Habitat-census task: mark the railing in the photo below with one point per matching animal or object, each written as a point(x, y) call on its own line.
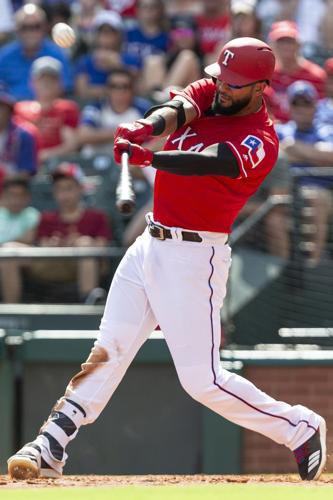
point(253, 219)
point(60, 252)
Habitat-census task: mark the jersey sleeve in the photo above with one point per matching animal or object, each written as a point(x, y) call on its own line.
point(256, 153)
point(199, 93)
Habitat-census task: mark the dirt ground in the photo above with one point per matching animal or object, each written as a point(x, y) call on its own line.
point(158, 480)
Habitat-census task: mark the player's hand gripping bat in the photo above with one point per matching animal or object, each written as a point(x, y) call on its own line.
point(125, 196)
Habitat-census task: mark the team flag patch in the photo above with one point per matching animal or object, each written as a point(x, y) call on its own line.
point(255, 148)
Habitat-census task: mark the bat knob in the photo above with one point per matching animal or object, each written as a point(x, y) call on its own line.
point(125, 207)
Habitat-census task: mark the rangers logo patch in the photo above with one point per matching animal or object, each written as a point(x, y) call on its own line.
point(255, 148)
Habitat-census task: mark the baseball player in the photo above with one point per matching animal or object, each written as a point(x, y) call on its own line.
point(221, 144)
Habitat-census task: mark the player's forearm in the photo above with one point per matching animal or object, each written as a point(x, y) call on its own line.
point(215, 160)
point(309, 153)
point(62, 149)
point(169, 119)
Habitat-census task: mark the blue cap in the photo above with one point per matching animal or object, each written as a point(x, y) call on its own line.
point(5, 96)
point(302, 89)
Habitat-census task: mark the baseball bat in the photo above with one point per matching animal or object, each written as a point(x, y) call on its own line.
point(125, 196)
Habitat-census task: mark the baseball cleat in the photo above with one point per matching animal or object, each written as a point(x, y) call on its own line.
point(28, 463)
point(311, 455)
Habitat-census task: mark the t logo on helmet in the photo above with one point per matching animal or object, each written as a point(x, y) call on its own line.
point(227, 55)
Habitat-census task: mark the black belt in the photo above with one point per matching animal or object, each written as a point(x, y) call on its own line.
point(160, 232)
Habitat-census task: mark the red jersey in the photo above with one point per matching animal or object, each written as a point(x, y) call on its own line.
point(126, 8)
point(92, 223)
point(48, 122)
point(276, 94)
point(211, 203)
point(212, 32)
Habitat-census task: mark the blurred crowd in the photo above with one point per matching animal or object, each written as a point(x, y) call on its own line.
point(59, 109)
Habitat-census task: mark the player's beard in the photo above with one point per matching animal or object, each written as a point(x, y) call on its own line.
point(232, 109)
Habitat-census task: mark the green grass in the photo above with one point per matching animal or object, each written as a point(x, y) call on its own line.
point(207, 492)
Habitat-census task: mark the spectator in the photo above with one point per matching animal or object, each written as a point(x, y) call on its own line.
point(149, 36)
point(324, 114)
point(182, 63)
point(55, 119)
point(107, 55)
point(18, 220)
point(214, 28)
point(17, 57)
point(291, 66)
point(18, 149)
point(100, 120)
point(243, 20)
point(306, 145)
point(70, 225)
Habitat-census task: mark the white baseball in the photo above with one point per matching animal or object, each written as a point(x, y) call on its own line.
point(63, 35)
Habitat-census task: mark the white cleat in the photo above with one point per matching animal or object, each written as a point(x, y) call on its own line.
point(28, 463)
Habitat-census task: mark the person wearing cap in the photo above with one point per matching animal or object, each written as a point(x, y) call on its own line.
point(305, 145)
point(324, 112)
point(244, 20)
point(71, 224)
point(18, 224)
point(55, 119)
point(18, 146)
point(220, 146)
point(100, 119)
point(291, 66)
point(107, 54)
point(16, 57)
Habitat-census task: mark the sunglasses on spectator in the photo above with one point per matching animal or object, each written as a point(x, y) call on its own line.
point(30, 27)
point(302, 102)
point(119, 86)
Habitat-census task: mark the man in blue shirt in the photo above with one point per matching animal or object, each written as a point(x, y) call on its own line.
point(324, 113)
point(307, 144)
point(101, 119)
point(107, 55)
point(17, 57)
point(149, 36)
point(18, 151)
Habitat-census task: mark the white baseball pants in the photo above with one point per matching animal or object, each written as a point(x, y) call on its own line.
point(179, 285)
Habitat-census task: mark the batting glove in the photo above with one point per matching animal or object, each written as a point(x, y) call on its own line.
point(136, 132)
point(137, 154)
